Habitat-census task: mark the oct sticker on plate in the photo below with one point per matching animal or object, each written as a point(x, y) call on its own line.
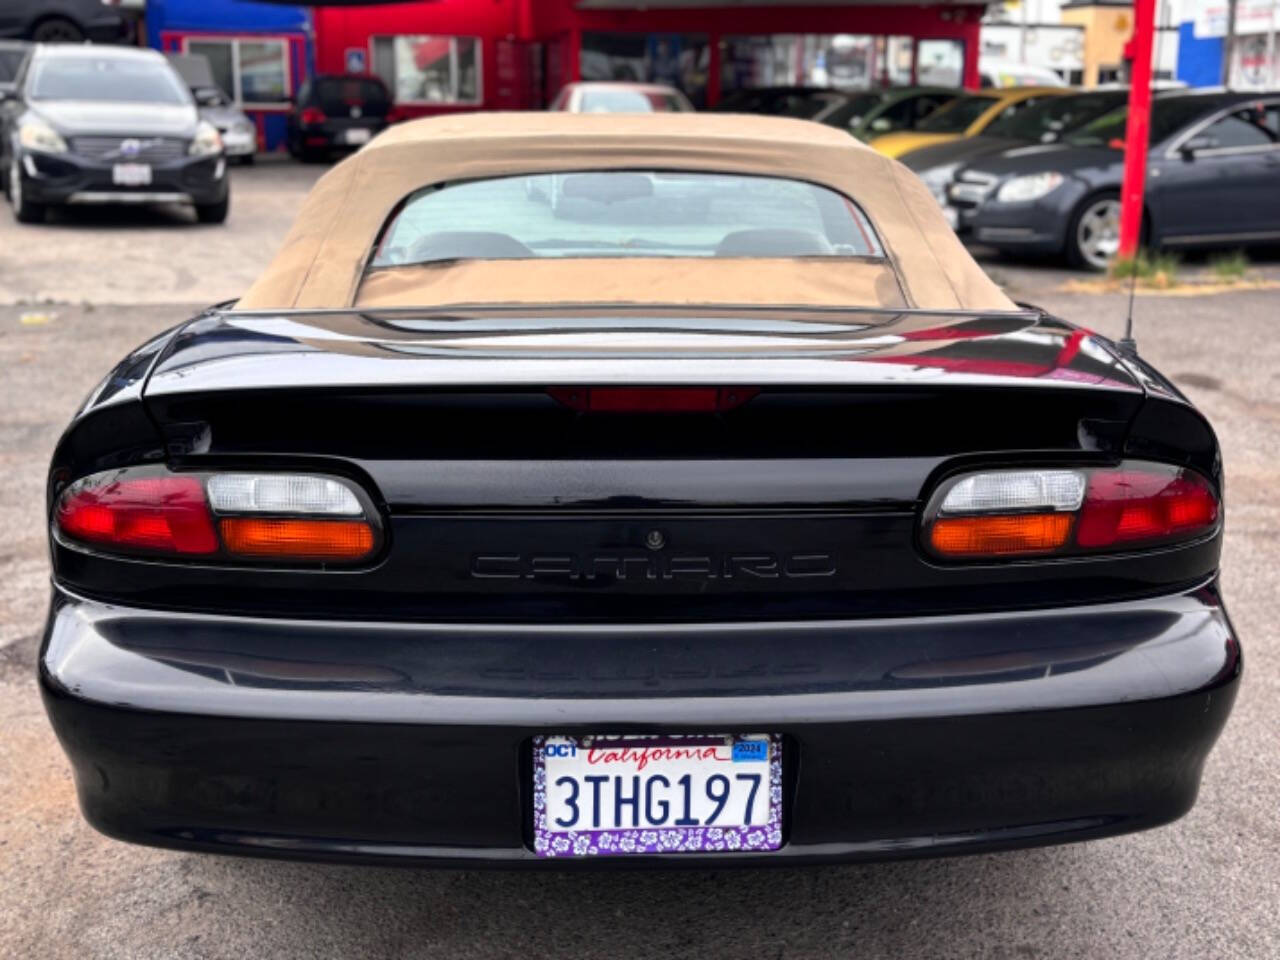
point(633, 795)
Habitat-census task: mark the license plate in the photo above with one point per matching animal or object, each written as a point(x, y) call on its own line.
point(131, 175)
point(634, 795)
point(359, 135)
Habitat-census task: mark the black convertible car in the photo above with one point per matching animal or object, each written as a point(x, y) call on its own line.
point(761, 529)
point(1213, 179)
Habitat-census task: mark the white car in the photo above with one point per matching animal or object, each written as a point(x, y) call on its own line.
point(1006, 73)
point(593, 97)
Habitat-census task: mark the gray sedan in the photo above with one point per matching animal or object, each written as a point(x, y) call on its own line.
point(1211, 181)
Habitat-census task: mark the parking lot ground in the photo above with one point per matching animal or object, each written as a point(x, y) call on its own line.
point(1207, 886)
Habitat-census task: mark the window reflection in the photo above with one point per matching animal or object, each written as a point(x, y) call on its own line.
point(678, 60)
point(842, 61)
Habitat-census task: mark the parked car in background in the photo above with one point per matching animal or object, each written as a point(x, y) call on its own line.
point(1008, 73)
point(67, 21)
point(966, 116)
point(337, 113)
point(876, 113)
point(803, 103)
point(239, 133)
point(104, 125)
point(1045, 121)
point(1212, 174)
point(603, 97)
point(863, 113)
point(12, 53)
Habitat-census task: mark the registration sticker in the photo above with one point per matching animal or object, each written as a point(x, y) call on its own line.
point(634, 794)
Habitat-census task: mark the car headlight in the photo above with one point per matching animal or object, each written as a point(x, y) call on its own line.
point(207, 140)
point(244, 126)
point(1031, 187)
point(39, 136)
point(937, 179)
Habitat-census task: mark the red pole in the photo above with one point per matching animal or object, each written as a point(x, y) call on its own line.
point(1138, 127)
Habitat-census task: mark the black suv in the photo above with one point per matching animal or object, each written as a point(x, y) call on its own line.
point(102, 125)
point(337, 113)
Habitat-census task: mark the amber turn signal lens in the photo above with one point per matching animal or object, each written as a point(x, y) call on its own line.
point(1000, 535)
point(297, 539)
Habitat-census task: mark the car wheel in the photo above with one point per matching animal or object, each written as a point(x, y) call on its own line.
point(57, 30)
point(1093, 236)
point(213, 212)
point(247, 160)
point(23, 209)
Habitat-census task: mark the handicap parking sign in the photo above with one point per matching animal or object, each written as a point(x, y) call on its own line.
point(355, 60)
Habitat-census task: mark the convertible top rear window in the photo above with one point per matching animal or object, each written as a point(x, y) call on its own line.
point(631, 213)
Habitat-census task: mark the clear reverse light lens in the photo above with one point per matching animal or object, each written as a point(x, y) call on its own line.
point(1026, 189)
point(281, 493)
point(1012, 491)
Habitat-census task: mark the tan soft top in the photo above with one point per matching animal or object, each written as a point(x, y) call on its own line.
point(322, 262)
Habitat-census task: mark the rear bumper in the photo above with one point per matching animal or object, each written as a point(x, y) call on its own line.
point(989, 732)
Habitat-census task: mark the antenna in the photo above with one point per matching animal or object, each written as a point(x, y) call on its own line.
point(1127, 345)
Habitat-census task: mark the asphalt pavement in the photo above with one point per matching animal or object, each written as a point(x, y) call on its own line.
point(77, 293)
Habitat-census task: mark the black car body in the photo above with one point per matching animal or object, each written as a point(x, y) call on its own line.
point(337, 114)
point(1213, 166)
point(1044, 122)
point(864, 113)
point(107, 125)
point(677, 522)
point(65, 21)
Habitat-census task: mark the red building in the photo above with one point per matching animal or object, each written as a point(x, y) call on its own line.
point(446, 55)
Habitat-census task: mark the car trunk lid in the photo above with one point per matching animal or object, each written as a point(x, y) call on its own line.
point(788, 486)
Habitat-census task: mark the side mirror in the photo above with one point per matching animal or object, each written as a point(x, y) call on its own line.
point(1196, 145)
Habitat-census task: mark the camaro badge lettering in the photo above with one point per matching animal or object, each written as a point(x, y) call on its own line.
point(652, 567)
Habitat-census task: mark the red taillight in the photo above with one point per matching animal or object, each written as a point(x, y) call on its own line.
point(151, 514)
point(1143, 505)
point(312, 117)
point(1064, 511)
point(653, 399)
point(280, 516)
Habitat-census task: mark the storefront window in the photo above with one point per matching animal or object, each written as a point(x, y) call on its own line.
point(429, 69)
point(678, 60)
point(842, 61)
point(249, 71)
point(940, 63)
point(893, 66)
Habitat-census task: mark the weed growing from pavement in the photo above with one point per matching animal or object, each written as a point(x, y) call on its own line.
point(1229, 266)
point(1152, 269)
